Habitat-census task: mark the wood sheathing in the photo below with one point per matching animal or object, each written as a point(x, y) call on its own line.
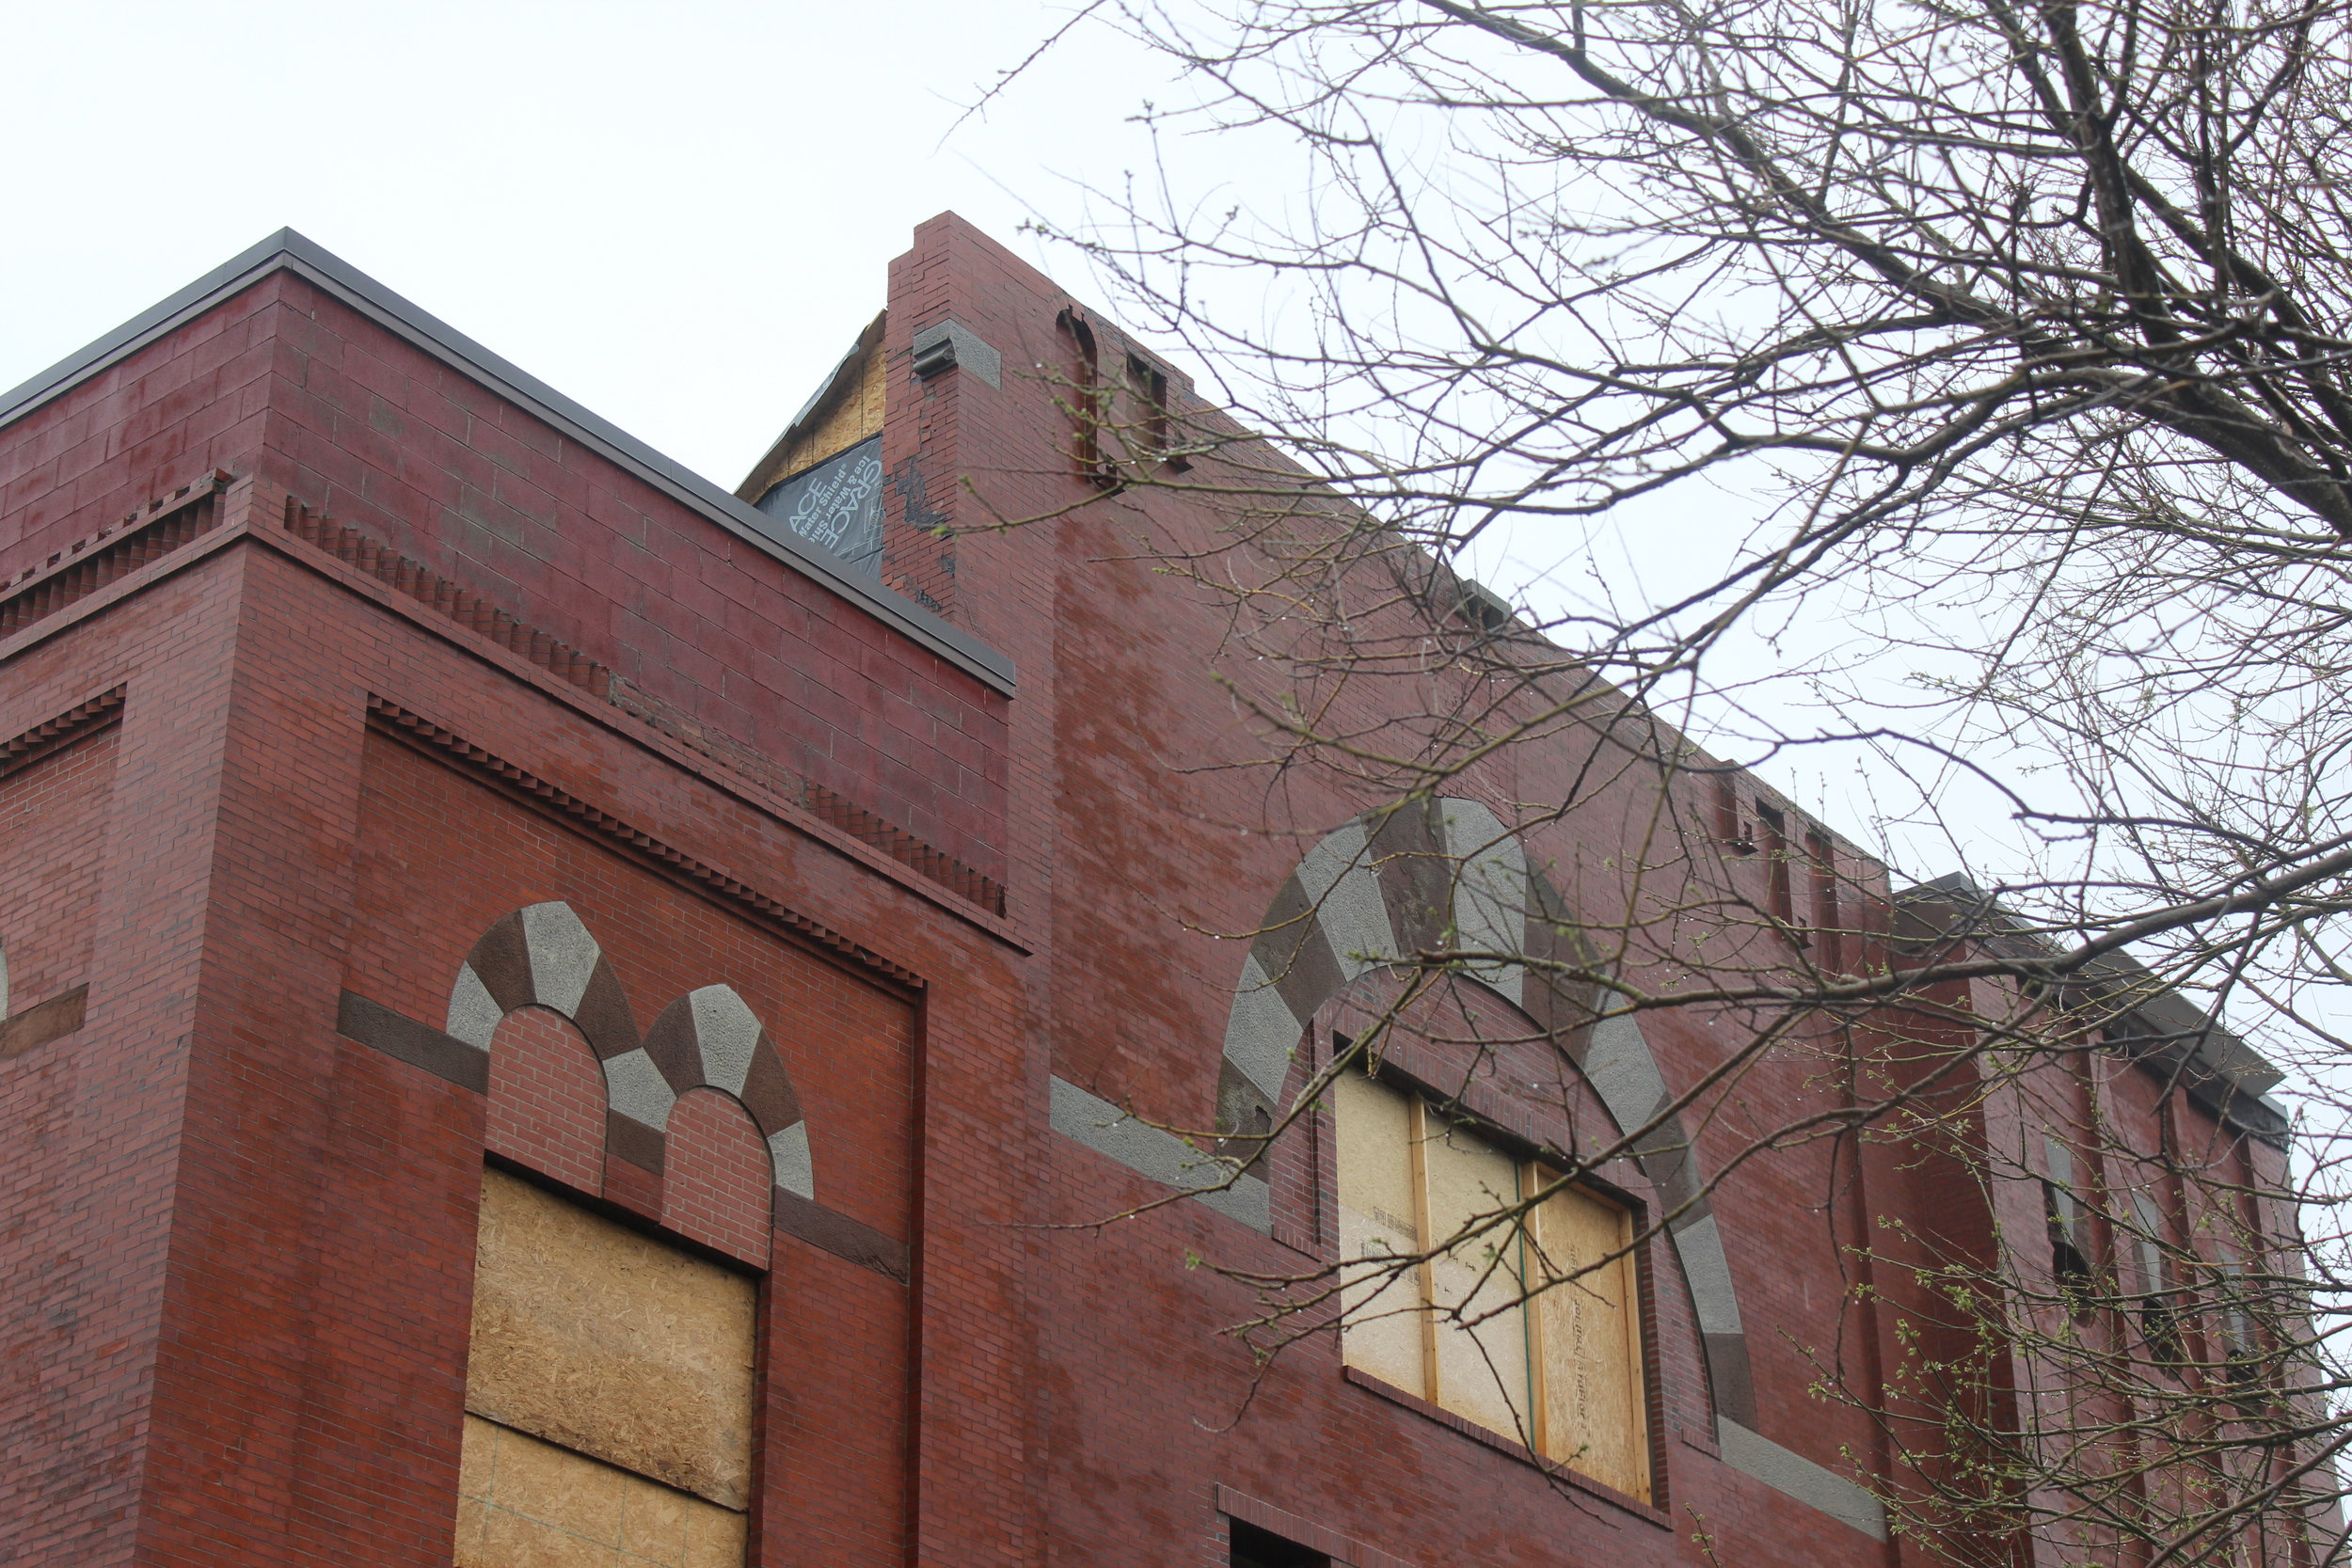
point(847, 411)
point(608, 1394)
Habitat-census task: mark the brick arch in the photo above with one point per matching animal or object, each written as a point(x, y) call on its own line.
point(717, 1183)
point(547, 1100)
point(1395, 881)
point(544, 956)
point(710, 1038)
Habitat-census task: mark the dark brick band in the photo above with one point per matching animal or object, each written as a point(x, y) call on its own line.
point(372, 1024)
point(842, 1236)
point(626, 1138)
point(43, 1022)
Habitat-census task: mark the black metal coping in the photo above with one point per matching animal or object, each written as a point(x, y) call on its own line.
point(289, 251)
point(2161, 1030)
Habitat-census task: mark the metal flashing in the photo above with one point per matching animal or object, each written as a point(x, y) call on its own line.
point(836, 381)
point(840, 383)
point(289, 251)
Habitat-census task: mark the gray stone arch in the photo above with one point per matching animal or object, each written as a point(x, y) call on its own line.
point(544, 956)
point(1448, 872)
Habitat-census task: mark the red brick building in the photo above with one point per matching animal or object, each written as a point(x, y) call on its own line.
point(557, 1014)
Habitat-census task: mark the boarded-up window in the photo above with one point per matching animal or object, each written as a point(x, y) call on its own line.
point(609, 1395)
point(1586, 1328)
point(1531, 1331)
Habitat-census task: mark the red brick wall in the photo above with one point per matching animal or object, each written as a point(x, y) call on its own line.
point(93, 1215)
point(440, 858)
point(53, 818)
point(287, 382)
point(239, 1251)
point(715, 1177)
point(376, 433)
point(1135, 848)
point(193, 401)
point(237, 1260)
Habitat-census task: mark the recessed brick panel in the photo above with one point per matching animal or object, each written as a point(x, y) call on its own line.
point(847, 1044)
point(716, 1176)
point(53, 824)
point(547, 1098)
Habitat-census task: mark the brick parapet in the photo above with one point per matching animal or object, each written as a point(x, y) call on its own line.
point(338, 411)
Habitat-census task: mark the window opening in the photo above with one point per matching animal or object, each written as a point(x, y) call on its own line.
point(2241, 1346)
point(1089, 400)
point(1146, 384)
point(2159, 1308)
point(1779, 898)
point(1249, 1546)
point(1728, 828)
point(1827, 920)
point(2070, 1261)
point(608, 1390)
point(1531, 1329)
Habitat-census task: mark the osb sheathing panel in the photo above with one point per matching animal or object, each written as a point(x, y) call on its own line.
point(527, 1504)
point(1589, 1340)
point(604, 1341)
point(1482, 1355)
point(855, 415)
point(1383, 1329)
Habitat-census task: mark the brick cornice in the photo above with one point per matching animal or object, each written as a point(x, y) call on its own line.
point(575, 689)
point(87, 566)
point(563, 674)
point(289, 252)
point(511, 779)
point(53, 734)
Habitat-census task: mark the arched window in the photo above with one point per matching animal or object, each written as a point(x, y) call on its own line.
point(1531, 1329)
point(610, 1380)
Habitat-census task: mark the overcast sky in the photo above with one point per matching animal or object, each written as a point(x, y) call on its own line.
point(680, 214)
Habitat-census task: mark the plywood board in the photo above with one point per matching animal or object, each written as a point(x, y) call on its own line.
point(523, 1503)
point(1381, 1331)
point(1589, 1337)
point(606, 1341)
point(1481, 1366)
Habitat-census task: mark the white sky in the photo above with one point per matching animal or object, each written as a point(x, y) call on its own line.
point(678, 215)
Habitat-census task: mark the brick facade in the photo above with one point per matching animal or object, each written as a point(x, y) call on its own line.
point(331, 646)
